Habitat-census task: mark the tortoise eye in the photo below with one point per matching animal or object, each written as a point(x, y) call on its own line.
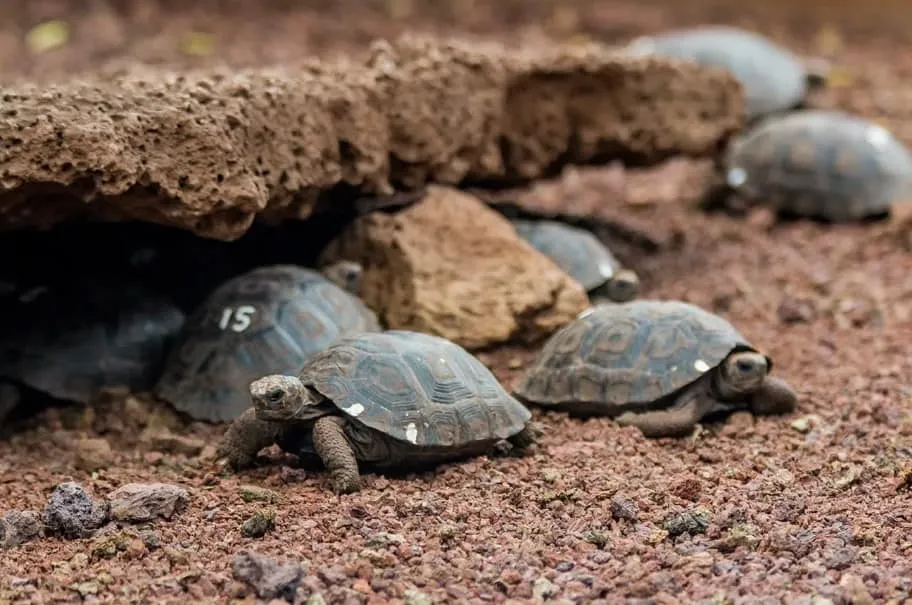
point(275, 396)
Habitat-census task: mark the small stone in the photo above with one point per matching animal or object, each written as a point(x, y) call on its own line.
point(71, 512)
point(93, 454)
point(136, 549)
point(624, 509)
point(175, 556)
point(150, 539)
point(854, 590)
point(165, 441)
point(738, 535)
point(269, 578)
point(361, 585)
point(795, 310)
point(688, 489)
point(543, 588)
point(19, 526)
point(316, 599)
point(153, 458)
point(688, 522)
point(258, 525)
point(806, 423)
point(253, 493)
point(87, 589)
point(108, 545)
point(413, 596)
point(141, 502)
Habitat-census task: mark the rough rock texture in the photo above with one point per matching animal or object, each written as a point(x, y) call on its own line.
point(451, 266)
point(141, 502)
point(18, 526)
point(71, 513)
point(269, 578)
point(209, 150)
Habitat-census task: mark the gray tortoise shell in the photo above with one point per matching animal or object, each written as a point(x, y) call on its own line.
point(773, 78)
point(70, 343)
point(269, 320)
point(821, 163)
point(576, 251)
point(416, 388)
point(631, 354)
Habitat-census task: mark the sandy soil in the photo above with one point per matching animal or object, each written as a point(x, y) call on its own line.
point(810, 508)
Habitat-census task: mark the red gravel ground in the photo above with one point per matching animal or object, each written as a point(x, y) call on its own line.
point(813, 508)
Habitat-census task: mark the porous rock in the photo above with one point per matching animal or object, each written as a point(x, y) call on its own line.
point(208, 151)
point(71, 512)
point(269, 578)
point(141, 502)
point(449, 265)
point(18, 526)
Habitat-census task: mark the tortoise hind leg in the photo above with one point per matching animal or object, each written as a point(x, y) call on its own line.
point(526, 438)
point(337, 455)
point(678, 420)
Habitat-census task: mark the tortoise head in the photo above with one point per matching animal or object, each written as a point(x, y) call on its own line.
point(623, 286)
point(284, 399)
point(742, 373)
point(345, 274)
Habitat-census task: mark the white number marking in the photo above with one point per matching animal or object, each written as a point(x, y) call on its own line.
point(237, 320)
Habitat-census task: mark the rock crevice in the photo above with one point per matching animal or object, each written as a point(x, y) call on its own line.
point(210, 151)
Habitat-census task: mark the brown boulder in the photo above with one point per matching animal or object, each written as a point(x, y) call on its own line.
point(210, 151)
point(451, 266)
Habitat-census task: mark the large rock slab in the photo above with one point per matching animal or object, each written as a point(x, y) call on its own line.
point(209, 151)
point(451, 266)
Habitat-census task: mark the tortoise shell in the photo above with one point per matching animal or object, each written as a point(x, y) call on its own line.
point(576, 251)
point(416, 388)
point(265, 321)
point(773, 78)
point(70, 342)
point(821, 163)
point(629, 355)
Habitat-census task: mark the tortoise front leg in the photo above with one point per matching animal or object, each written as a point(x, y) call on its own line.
point(678, 420)
point(337, 455)
point(246, 436)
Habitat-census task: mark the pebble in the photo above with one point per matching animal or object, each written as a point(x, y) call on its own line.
point(142, 502)
point(258, 525)
point(18, 527)
point(70, 512)
point(270, 579)
point(93, 454)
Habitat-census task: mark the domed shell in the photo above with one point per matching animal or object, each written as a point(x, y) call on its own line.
point(269, 320)
point(772, 77)
point(576, 251)
point(821, 163)
point(629, 354)
point(70, 342)
point(417, 388)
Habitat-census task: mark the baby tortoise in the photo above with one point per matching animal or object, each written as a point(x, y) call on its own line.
point(392, 399)
point(270, 319)
point(773, 78)
point(658, 365)
point(581, 256)
point(820, 164)
point(69, 342)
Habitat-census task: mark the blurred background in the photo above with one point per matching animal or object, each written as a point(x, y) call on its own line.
point(54, 37)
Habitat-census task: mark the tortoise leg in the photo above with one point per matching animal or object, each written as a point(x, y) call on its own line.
point(678, 420)
point(526, 438)
point(246, 436)
point(775, 396)
point(336, 453)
